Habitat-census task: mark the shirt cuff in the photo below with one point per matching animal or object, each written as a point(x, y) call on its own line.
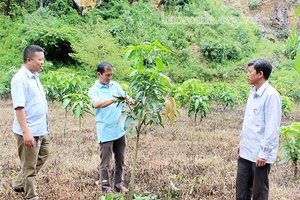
point(263, 155)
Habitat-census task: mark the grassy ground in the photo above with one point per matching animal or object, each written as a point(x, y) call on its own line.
point(200, 161)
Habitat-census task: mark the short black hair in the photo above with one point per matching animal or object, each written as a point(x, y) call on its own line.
point(29, 51)
point(261, 64)
point(101, 67)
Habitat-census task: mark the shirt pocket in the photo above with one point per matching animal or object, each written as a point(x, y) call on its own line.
point(33, 89)
point(258, 120)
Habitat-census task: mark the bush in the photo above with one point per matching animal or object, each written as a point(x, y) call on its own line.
point(16, 9)
point(225, 95)
point(290, 145)
point(286, 65)
point(253, 4)
point(53, 35)
point(112, 9)
point(11, 43)
point(60, 7)
point(5, 78)
point(139, 23)
point(98, 45)
point(287, 83)
point(217, 51)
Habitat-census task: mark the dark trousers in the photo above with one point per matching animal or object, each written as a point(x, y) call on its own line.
point(106, 149)
point(252, 181)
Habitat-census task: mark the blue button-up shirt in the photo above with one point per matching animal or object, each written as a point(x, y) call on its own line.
point(27, 92)
point(260, 133)
point(109, 127)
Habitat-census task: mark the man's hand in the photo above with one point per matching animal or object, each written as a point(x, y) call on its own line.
point(27, 136)
point(28, 139)
point(260, 162)
point(238, 150)
point(130, 100)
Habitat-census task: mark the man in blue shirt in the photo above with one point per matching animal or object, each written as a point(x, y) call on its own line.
point(30, 124)
point(260, 134)
point(110, 131)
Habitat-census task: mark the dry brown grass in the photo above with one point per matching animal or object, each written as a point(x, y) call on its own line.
point(200, 161)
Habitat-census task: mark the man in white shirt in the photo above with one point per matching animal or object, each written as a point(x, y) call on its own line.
point(30, 125)
point(260, 134)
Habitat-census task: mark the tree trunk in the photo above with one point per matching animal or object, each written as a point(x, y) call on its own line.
point(131, 184)
point(65, 124)
point(160, 2)
point(295, 162)
point(7, 8)
point(80, 127)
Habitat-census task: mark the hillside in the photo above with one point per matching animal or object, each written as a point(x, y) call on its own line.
point(275, 17)
point(212, 50)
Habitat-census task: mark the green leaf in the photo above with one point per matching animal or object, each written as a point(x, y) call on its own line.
point(298, 60)
point(78, 111)
point(159, 64)
point(128, 54)
point(66, 103)
point(298, 12)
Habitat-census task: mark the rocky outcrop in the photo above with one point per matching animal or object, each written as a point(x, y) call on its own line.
point(274, 17)
point(84, 6)
point(282, 19)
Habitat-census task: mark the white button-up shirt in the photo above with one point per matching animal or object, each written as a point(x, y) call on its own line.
point(27, 92)
point(260, 133)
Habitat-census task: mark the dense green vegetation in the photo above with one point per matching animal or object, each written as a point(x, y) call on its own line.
point(211, 41)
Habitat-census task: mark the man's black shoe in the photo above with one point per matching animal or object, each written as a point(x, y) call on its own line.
point(18, 189)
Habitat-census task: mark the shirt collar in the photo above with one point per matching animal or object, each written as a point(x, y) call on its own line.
point(262, 88)
point(29, 73)
point(101, 85)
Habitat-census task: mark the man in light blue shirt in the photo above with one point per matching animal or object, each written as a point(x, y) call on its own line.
point(260, 134)
point(110, 131)
point(30, 124)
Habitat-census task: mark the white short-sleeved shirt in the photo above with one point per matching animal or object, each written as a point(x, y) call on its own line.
point(27, 92)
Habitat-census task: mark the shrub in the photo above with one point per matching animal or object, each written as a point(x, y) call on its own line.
point(138, 23)
point(293, 42)
point(11, 43)
point(286, 65)
point(287, 104)
point(217, 51)
point(253, 4)
point(52, 34)
point(225, 95)
point(287, 83)
point(290, 144)
point(16, 9)
point(4, 90)
point(60, 7)
point(97, 45)
point(112, 9)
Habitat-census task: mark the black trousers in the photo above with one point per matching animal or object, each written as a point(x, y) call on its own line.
point(252, 181)
point(106, 150)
